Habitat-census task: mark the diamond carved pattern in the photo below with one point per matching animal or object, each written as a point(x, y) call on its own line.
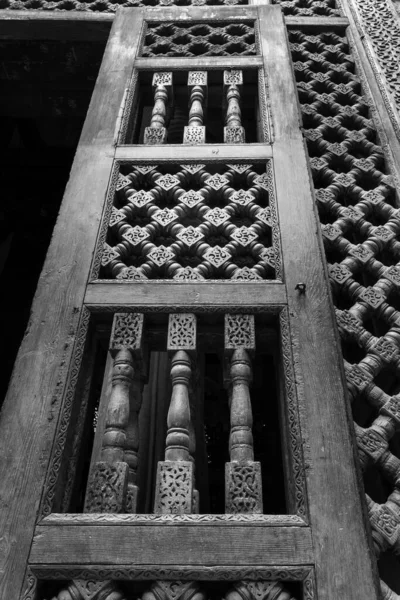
point(205, 39)
point(193, 222)
point(356, 200)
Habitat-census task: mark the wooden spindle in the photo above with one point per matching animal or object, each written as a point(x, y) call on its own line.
point(233, 131)
point(243, 490)
point(178, 421)
point(156, 133)
point(132, 440)
point(241, 436)
point(112, 483)
point(195, 132)
point(175, 475)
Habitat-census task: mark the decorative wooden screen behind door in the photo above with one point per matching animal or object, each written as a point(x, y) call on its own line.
point(192, 230)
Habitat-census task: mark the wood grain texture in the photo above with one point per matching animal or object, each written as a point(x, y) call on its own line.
point(34, 399)
point(207, 152)
point(199, 62)
point(170, 295)
point(171, 545)
point(343, 563)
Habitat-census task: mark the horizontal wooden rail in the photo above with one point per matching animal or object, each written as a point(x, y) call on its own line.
point(200, 154)
point(144, 296)
point(198, 63)
point(328, 22)
point(173, 545)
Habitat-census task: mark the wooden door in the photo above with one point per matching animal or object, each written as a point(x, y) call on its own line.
point(210, 241)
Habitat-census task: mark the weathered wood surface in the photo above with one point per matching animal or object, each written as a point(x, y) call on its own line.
point(171, 295)
point(198, 62)
point(200, 13)
point(183, 153)
point(31, 409)
point(168, 545)
point(317, 22)
point(343, 563)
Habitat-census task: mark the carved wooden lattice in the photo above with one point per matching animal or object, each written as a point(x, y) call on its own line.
point(192, 222)
point(361, 231)
point(309, 8)
point(200, 39)
point(106, 6)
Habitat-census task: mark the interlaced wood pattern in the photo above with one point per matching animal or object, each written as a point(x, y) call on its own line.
point(361, 231)
point(300, 8)
point(109, 6)
point(192, 222)
point(309, 8)
point(200, 39)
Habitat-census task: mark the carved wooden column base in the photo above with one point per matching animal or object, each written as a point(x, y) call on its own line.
point(234, 135)
point(155, 135)
point(107, 488)
point(174, 487)
point(194, 135)
point(243, 488)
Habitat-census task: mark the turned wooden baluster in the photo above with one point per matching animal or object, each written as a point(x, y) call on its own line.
point(243, 491)
point(241, 436)
point(175, 475)
point(178, 420)
point(195, 132)
point(111, 486)
point(156, 133)
point(132, 436)
point(233, 130)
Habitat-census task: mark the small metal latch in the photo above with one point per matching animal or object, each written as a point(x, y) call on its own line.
point(301, 287)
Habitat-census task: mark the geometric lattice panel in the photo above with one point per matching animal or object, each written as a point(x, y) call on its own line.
point(106, 5)
point(192, 222)
point(309, 8)
point(201, 39)
point(360, 225)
